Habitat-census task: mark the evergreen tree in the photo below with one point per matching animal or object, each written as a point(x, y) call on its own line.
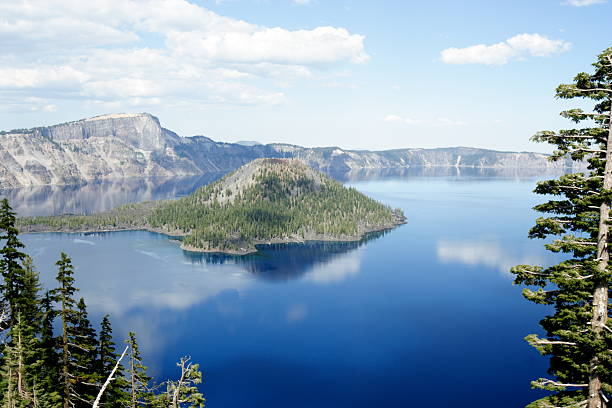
point(11, 261)
point(579, 337)
point(184, 392)
point(20, 290)
point(140, 392)
point(115, 394)
point(84, 353)
point(64, 295)
point(50, 367)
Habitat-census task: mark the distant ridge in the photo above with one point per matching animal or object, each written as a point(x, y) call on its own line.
point(120, 145)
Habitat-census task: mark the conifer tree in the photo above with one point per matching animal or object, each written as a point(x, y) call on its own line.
point(184, 391)
point(84, 353)
point(11, 261)
point(64, 295)
point(579, 336)
point(20, 290)
point(140, 393)
point(50, 367)
point(115, 394)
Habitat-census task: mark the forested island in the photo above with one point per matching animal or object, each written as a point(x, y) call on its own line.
point(265, 201)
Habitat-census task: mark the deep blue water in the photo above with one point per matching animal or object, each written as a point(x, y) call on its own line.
point(425, 315)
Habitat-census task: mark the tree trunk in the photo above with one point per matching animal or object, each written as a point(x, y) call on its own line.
point(65, 360)
point(600, 292)
point(133, 379)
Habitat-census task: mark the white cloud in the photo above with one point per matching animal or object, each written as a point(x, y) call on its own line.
point(449, 122)
point(116, 52)
point(441, 121)
point(400, 119)
point(44, 77)
point(582, 3)
point(323, 45)
point(514, 48)
point(302, 2)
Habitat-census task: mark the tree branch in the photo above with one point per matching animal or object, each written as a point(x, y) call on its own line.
point(109, 379)
point(592, 89)
point(545, 342)
point(544, 382)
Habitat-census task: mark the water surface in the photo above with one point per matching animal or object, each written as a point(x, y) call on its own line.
point(423, 315)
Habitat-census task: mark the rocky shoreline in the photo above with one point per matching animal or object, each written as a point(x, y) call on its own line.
point(249, 248)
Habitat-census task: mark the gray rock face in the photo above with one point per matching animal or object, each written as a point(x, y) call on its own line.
point(135, 145)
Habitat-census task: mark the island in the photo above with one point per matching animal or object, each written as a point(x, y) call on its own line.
point(266, 201)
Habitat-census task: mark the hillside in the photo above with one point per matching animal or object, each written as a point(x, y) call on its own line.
point(265, 201)
point(136, 145)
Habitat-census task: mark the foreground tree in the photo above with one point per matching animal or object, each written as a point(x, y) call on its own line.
point(107, 363)
point(68, 339)
point(579, 337)
point(140, 392)
point(184, 391)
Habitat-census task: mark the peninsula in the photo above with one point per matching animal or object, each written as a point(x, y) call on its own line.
point(265, 201)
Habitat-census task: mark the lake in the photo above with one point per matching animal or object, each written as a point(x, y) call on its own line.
point(424, 315)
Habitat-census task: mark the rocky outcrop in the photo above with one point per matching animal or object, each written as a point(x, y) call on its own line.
point(136, 145)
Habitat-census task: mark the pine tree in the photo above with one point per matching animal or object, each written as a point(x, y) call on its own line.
point(11, 261)
point(64, 295)
point(579, 337)
point(84, 353)
point(50, 367)
point(20, 290)
point(115, 394)
point(184, 391)
point(140, 393)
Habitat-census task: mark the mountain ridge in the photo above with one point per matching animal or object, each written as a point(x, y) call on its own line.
point(121, 145)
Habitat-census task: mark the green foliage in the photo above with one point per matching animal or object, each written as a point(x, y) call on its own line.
point(140, 390)
point(577, 344)
point(116, 393)
point(125, 217)
point(183, 392)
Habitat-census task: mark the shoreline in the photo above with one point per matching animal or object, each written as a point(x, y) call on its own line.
point(251, 249)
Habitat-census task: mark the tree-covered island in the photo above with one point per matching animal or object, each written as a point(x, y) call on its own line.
point(265, 201)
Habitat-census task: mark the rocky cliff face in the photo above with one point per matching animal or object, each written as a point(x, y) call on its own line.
point(135, 145)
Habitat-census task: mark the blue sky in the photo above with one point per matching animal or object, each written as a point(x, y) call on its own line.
point(356, 74)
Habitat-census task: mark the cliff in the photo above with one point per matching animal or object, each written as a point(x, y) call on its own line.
point(136, 145)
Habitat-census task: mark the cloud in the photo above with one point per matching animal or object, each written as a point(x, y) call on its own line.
point(515, 48)
point(449, 122)
point(131, 52)
point(583, 3)
point(441, 121)
point(302, 2)
point(399, 119)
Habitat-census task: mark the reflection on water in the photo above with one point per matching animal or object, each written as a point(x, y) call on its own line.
point(100, 196)
point(104, 195)
point(282, 262)
point(486, 252)
point(456, 173)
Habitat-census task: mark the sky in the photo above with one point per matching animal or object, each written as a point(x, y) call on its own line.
point(359, 74)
